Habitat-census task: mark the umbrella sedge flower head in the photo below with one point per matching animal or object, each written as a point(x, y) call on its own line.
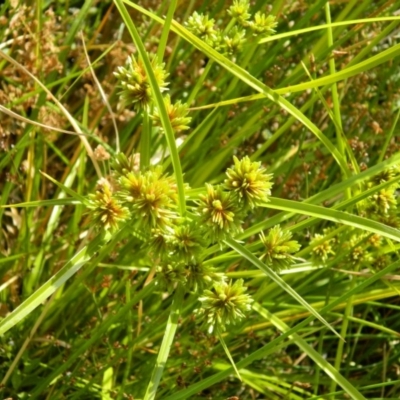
point(226, 304)
point(177, 114)
point(322, 248)
point(219, 212)
point(263, 24)
point(122, 164)
point(187, 241)
point(233, 41)
point(159, 243)
point(278, 248)
point(383, 201)
point(135, 83)
point(106, 211)
point(169, 274)
point(239, 10)
point(203, 27)
point(200, 276)
point(151, 197)
point(249, 181)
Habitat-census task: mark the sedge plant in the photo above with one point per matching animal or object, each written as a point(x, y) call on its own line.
point(199, 201)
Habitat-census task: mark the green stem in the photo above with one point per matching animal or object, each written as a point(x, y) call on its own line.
point(335, 95)
point(200, 82)
point(169, 334)
point(164, 36)
point(388, 137)
point(145, 142)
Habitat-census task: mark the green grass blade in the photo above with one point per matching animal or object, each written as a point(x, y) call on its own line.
point(169, 334)
point(339, 217)
point(44, 203)
point(166, 123)
point(167, 25)
point(326, 26)
point(40, 295)
point(332, 372)
point(276, 278)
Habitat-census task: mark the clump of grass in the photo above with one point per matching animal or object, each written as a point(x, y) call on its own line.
point(228, 229)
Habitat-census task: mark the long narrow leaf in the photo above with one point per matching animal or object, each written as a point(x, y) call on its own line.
point(339, 217)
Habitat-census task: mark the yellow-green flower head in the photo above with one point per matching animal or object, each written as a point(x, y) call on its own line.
point(384, 176)
point(177, 114)
point(219, 212)
point(135, 83)
point(200, 276)
point(187, 241)
point(249, 181)
point(233, 41)
point(106, 211)
point(159, 243)
point(239, 10)
point(263, 24)
point(226, 304)
point(169, 274)
point(203, 27)
point(122, 164)
point(278, 248)
point(323, 247)
point(384, 200)
point(151, 197)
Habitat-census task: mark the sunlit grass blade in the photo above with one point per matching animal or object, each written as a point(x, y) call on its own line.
point(245, 253)
point(168, 338)
point(40, 295)
point(335, 216)
point(326, 26)
point(66, 189)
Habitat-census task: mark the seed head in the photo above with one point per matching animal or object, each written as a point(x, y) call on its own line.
point(219, 212)
point(249, 181)
point(263, 24)
point(203, 27)
point(187, 241)
point(177, 114)
point(106, 211)
point(323, 248)
point(239, 10)
point(224, 305)
point(383, 201)
point(200, 276)
point(278, 248)
point(151, 197)
point(233, 41)
point(135, 83)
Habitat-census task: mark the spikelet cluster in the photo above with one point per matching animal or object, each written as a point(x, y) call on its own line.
point(230, 40)
point(106, 211)
point(177, 114)
point(135, 84)
point(249, 182)
point(226, 304)
point(219, 212)
point(278, 248)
